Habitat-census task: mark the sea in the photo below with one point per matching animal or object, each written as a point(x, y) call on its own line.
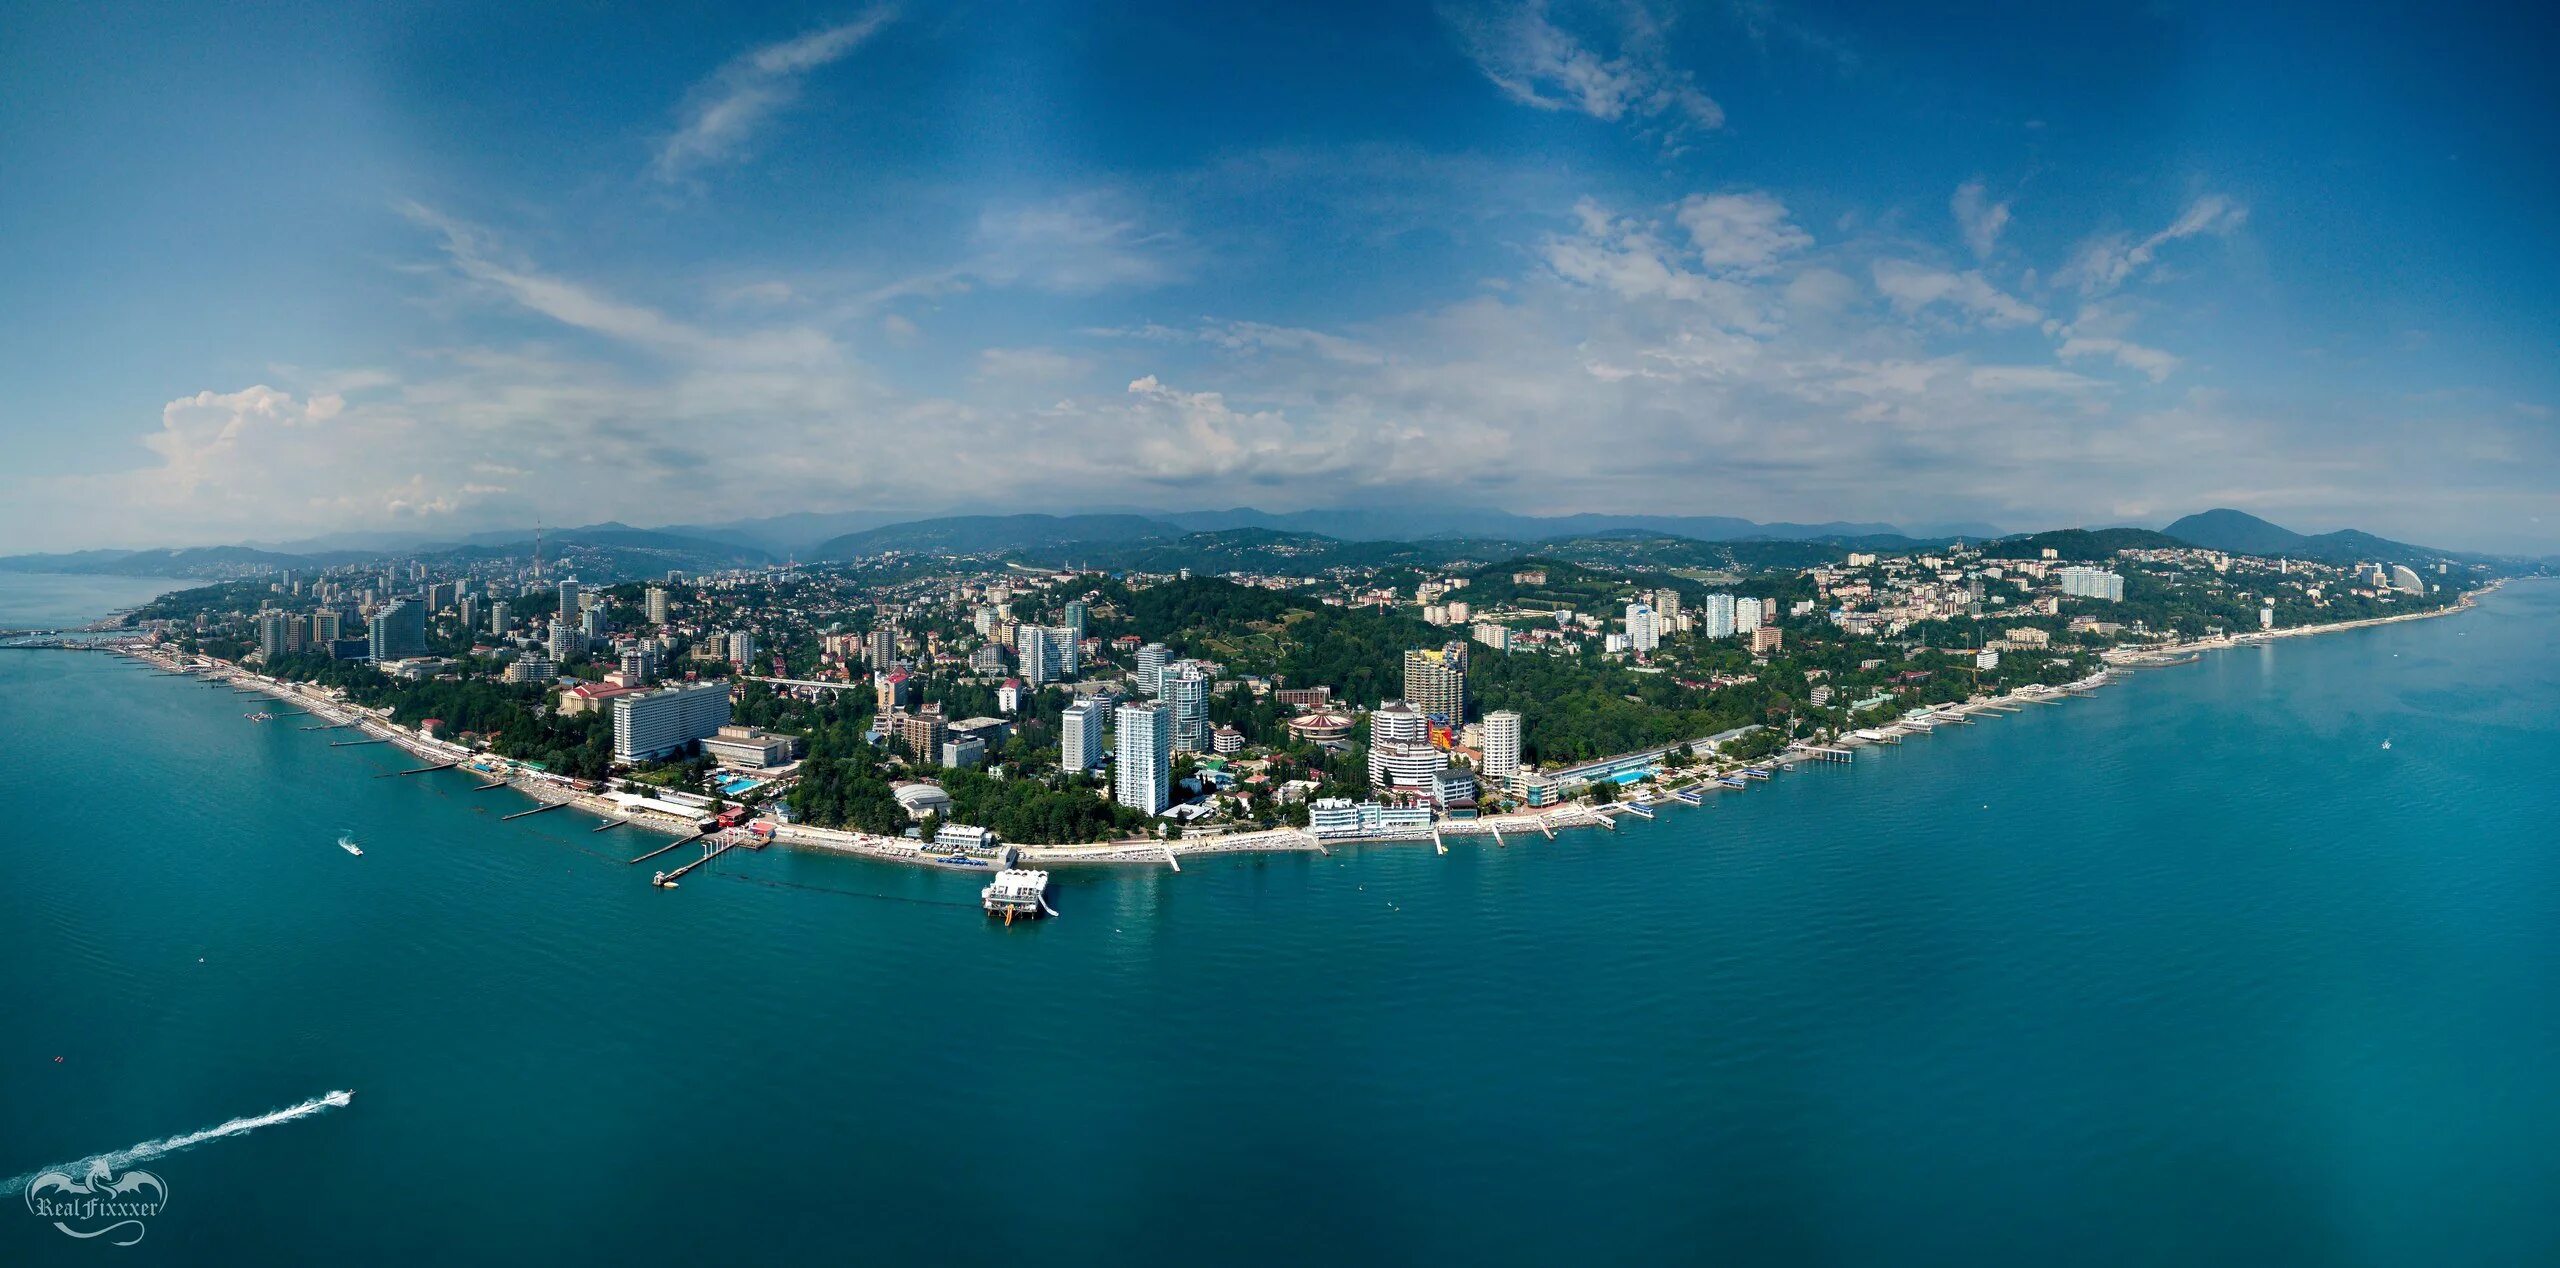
point(2254, 961)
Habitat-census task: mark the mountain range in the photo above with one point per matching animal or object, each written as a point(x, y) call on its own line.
point(624, 549)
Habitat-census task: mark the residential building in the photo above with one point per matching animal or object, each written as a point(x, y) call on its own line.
point(648, 725)
point(1035, 655)
point(1644, 630)
point(1435, 681)
point(1718, 614)
point(1151, 662)
point(1187, 692)
point(398, 631)
point(1080, 736)
point(1142, 756)
point(1501, 745)
point(742, 647)
point(656, 604)
point(2093, 583)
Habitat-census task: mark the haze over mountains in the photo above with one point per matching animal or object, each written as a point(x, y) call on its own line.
point(812, 537)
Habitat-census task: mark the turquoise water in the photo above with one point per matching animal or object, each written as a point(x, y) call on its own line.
point(2192, 971)
point(50, 600)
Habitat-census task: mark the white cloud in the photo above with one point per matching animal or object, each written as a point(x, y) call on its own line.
point(1089, 242)
point(1979, 218)
point(722, 113)
point(1746, 232)
point(2106, 263)
point(1914, 287)
point(2132, 356)
point(1521, 47)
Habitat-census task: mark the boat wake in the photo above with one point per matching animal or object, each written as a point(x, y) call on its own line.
point(150, 1149)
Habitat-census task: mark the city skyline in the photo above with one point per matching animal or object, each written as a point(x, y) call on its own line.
point(467, 270)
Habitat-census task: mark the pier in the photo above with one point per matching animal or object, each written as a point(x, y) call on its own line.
point(609, 824)
point(416, 770)
point(548, 805)
point(1170, 860)
point(1439, 844)
point(1638, 809)
point(486, 787)
point(333, 726)
point(667, 880)
point(1822, 753)
point(664, 848)
point(355, 743)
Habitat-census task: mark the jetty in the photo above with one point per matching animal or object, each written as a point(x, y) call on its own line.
point(667, 880)
point(548, 805)
point(664, 848)
point(417, 770)
point(486, 787)
point(356, 743)
point(609, 824)
point(331, 726)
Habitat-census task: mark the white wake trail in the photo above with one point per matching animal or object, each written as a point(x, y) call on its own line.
point(150, 1149)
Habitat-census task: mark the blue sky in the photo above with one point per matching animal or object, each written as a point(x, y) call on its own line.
point(287, 270)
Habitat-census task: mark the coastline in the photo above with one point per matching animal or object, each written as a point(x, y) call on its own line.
point(1696, 781)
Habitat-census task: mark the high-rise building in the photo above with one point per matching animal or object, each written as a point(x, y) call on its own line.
point(398, 631)
point(648, 725)
point(1401, 754)
point(1142, 756)
point(497, 618)
point(325, 625)
point(1748, 614)
point(1501, 745)
point(638, 666)
point(469, 608)
point(1666, 605)
point(1078, 614)
point(656, 599)
point(591, 622)
point(563, 640)
point(2093, 583)
point(1186, 690)
point(1435, 682)
point(1036, 655)
point(1644, 629)
point(882, 645)
point(274, 626)
point(1718, 614)
point(1151, 662)
point(1080, 736)
point(742, 646)
point(1067, 647)
point(569, 600)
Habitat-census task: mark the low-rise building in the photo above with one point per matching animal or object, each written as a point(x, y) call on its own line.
point(749, 748)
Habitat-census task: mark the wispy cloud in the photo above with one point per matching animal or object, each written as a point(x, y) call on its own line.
point(1090, 242)
point(722, 113)
point(1980, 218)
point(2108, 262)
point(1915, 287)
point(2132, 356)
point(1621, 73)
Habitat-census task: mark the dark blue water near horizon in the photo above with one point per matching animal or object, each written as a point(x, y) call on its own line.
point(2191, 971)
